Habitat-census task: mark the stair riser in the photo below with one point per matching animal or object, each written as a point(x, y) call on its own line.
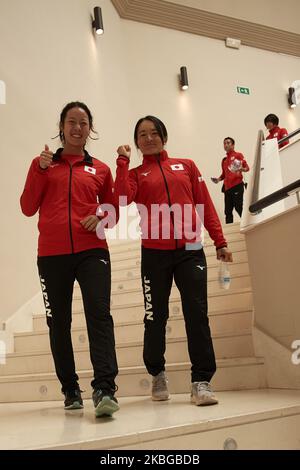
point(135, 384)
point(224, 324)
point(129, 356)
point(136, 313)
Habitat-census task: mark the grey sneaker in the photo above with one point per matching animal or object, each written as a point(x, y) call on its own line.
point(202, 394)
point(160, 387)
point(105, 402)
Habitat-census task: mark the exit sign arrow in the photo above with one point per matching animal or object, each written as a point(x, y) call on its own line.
point(243, 90)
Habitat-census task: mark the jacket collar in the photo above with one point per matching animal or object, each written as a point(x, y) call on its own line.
point(163, 155)
point(274, 130)
point(86, 159)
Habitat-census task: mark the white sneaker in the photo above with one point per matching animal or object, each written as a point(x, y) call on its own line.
point(202, 394)
point(160, 387)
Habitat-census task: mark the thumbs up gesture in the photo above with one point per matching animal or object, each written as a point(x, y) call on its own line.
point(46, 158)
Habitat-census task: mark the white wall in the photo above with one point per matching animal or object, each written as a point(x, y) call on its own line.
point(199, 119)
point(49, 56)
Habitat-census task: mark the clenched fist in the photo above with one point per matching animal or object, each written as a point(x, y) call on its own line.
point(124, 150)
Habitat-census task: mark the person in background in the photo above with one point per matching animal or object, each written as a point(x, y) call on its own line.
point(66, 188)
point(233, 166)
point(275, 132)
point(176, 253)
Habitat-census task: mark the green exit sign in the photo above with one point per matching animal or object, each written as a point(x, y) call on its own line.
point(243, 90)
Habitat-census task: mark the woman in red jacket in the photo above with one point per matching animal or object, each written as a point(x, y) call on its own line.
point(172, 248)
point(66, 188)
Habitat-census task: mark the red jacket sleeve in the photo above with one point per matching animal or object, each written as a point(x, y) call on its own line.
point(34, 189)
point(125, 183)
point(211, 219)
point(108, 207)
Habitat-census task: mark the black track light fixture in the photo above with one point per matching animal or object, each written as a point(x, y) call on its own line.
point(97, 21)
point(184, 83)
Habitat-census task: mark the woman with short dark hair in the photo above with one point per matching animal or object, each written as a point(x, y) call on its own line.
point(275, 132)
point(174, 198)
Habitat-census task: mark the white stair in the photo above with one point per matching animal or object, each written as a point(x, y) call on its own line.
point(31, 366)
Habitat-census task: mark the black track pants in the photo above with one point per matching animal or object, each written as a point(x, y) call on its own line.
point(189, 270)
point(233, 200)
point(92, 270)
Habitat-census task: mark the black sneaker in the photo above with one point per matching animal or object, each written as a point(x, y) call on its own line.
point(105, 403)
point(73, 400)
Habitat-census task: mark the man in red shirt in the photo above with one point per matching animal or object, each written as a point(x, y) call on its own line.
point(233, 166)
point(275, 132)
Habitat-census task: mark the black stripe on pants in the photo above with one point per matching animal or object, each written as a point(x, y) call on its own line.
point(92, 270)
point(190, 274)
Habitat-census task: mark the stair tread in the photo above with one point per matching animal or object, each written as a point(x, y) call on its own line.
point(187, 424)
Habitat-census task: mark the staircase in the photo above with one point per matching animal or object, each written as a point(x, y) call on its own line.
point(30, 366)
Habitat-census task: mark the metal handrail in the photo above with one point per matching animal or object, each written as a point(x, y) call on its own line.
point(278, 195)
point(287, 137)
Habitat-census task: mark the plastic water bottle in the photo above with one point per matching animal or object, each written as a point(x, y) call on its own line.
point(235, 166)
point(224, 276)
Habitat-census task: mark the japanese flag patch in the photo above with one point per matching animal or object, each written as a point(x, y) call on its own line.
point(178, 166)
point(90, 169)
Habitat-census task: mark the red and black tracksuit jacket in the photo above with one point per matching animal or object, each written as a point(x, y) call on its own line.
point(162, 180)
point(278, 133)
point(71, 189)
point(230, 178)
